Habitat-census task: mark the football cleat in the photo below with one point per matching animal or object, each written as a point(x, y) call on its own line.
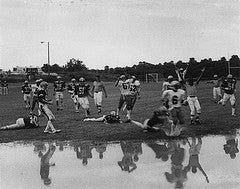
point(197, 122)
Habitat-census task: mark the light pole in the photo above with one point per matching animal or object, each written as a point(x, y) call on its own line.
point(48, 53)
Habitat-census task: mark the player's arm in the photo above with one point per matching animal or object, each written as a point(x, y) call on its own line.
point(93, 87)
point(185, 71)
point(42, 99)
point(104, 90)
point(22, 89)
point(116, 84)
point(199, 78)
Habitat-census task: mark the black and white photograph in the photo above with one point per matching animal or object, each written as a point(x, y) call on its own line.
point(119, 94)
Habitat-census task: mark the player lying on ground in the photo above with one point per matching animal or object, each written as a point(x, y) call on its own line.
point(23, 123)
point(110, 118)
point(160, 121)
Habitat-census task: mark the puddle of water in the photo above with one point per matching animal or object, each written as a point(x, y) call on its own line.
point(126, 164)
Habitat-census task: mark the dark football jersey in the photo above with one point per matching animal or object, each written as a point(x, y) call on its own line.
point(83, 90)
point(26, 89)
point(72, 88)
point(112, 118)
point(5, 84)
point(154, 121)
point(42, 96)
point(59, 86)
point(229, 85)
point(30, 122)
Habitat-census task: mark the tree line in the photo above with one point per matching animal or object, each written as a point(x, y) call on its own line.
point(75, 68)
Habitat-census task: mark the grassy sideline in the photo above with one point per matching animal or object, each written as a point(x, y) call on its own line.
point(215, 118)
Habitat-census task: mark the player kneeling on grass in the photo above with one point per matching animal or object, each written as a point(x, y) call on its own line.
point(229, 88)
point(111, 118)
point(43, 105)
point(160, 121)
point(23, 123)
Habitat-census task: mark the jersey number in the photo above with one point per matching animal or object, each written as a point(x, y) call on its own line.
point(175, 99)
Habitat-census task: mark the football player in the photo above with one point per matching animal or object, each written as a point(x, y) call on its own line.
point(110, 118)
point(160, 121)
point(26, 91)
point(43, 105)
point(23, 123)
point(72, 89)
point(35, 89)
point(229, 88)
point(175, 97)
point(59, 87)
point(5, 87)
point(126, 96)
point(98, 89)
point(83, 91)
point(166, 84)
point(1, 88)
point(194, 105)
point(217, 96)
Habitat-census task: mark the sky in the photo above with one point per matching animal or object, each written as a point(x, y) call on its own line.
point(117, 32)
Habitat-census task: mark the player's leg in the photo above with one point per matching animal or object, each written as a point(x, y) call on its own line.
point(57, 98)
point(233, 104)
point(173, 113)
point(192, 108)
point(218, 90)
point(215, 94)
point(61, 100)
point(99, 101)
point(142, 125)
point(85, 105)
point(198, 110)
point(75, 101)
point(224, 99)
point(120, 104)
point(100, 119)
point(1, 89)
point(19, 124)
point(29, 101)
point(129, 103)
point(50, 117)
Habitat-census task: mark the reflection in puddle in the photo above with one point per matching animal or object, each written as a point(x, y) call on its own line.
point(211, 162)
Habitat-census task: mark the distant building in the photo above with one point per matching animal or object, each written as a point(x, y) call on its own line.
point(18, 70)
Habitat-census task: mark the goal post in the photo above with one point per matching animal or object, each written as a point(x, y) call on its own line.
point(152, 77)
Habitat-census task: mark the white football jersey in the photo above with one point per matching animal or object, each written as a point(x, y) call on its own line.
point(174, 98)
point(124, 87)
point(134, 86)
point(165, 86)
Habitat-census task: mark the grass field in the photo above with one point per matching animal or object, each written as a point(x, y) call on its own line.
point(215, 118)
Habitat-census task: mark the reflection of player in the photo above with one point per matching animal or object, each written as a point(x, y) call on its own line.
point(111, 118)
point(231, 146)
point(23, 123)
point(85, 152)
point(194, 152)
point(216, 88)
point(43, 105)
point(229, 88)
point(26, 91)
point(72, 89)
point(45, 165)
point(161, 150)
point(194, 105)
point(175, 98)
point(83, 91)
point(59, 87)
point(160, 120)
point(39, 148)
point(127, 163)
point(100, 147)
point(98, 89)
point(178, 175)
